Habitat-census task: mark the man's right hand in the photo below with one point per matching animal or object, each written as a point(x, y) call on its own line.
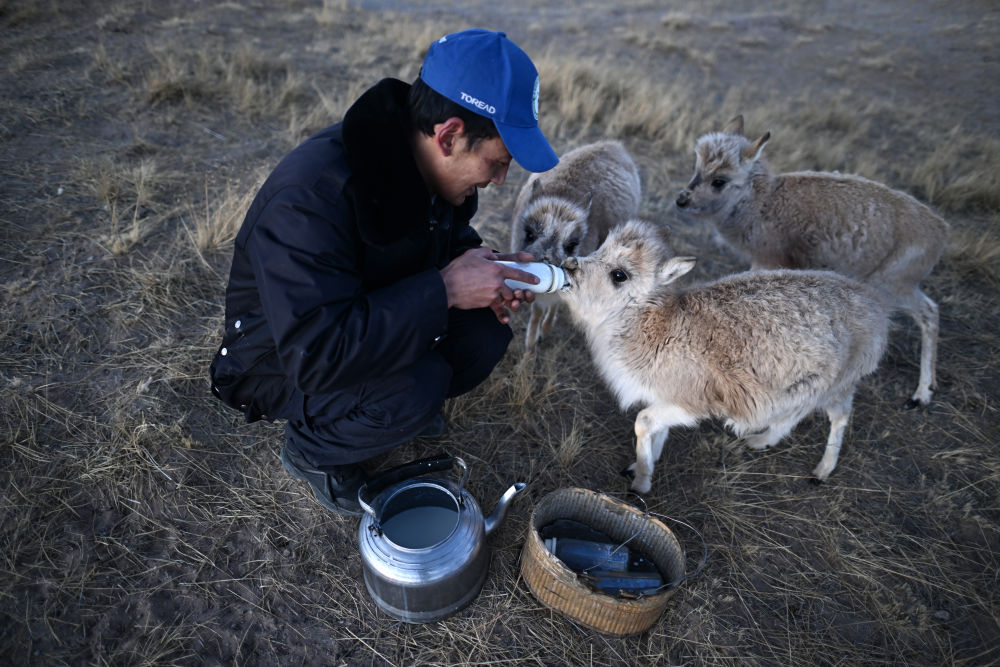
point(475, 280)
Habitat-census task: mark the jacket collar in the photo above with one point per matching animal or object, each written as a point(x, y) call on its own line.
point(376, 132)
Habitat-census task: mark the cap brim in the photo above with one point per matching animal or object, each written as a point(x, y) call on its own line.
point(528, 146)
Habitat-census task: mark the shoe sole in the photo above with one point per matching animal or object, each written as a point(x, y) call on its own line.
point(293, 470)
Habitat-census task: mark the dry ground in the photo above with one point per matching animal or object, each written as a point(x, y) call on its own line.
point(142, 523)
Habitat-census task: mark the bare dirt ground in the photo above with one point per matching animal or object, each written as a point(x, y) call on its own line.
point(142, 523)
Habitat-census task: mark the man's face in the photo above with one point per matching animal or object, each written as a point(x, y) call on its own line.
point(467, 168)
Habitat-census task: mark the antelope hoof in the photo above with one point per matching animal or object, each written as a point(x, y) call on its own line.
point(642, 486)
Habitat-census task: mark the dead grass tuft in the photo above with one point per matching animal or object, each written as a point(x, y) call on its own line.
point(976, 254)
point(590, 97)
point(240, 80)
point(678, 21)
point(128, 194)
point(216, 226)
point(959, 174)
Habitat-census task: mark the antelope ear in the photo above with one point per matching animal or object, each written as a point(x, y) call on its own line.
point(536, 189)
point(734, 126)
point(752, 151)
point(675, 268)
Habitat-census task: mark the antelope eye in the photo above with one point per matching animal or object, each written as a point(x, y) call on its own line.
point(570, 247)
point(529, 235)
point(719, 183)
point(618, 276)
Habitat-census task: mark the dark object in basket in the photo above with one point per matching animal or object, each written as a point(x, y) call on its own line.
point(582, 548)
point(569, 528)
point(582, 555)
point(624, 584)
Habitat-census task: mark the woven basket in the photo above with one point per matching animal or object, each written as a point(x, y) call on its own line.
point(557, 587)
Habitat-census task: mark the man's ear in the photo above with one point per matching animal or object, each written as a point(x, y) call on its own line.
point(448, 134)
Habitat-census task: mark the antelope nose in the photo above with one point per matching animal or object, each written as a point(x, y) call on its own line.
point(683, 199)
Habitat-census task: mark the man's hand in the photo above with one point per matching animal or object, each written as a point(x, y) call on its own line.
point(475, 280)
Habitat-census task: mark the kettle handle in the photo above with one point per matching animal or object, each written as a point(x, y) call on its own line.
point(405, 471)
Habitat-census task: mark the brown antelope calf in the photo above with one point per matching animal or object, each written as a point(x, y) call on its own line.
point(761, 349)
point(820, 220)
point(568, 210)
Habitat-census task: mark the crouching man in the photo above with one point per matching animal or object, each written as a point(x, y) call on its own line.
point(360, 297)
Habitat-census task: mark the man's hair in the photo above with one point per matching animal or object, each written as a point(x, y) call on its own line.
point(429, 107)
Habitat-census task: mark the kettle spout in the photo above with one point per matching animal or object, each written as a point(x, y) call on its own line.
point(500, 511)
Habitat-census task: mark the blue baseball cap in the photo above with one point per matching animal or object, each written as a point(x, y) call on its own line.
point(490, 75)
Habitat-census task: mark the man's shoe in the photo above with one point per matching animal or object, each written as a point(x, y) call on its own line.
point(336, 487)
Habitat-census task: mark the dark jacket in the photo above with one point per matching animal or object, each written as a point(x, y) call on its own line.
point(335, 276)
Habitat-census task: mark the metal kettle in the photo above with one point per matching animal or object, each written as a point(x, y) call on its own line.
point(423, 540)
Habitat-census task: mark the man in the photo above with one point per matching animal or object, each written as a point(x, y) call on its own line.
point(359, 297)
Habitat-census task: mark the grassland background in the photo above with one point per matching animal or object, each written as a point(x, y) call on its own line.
point(143, 523)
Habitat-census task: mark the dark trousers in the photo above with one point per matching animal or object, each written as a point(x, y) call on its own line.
point(372, 417)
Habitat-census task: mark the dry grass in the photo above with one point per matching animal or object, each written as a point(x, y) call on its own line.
point(956, 174)
point(143, 523)
point(215, 227)
point(975, 254)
